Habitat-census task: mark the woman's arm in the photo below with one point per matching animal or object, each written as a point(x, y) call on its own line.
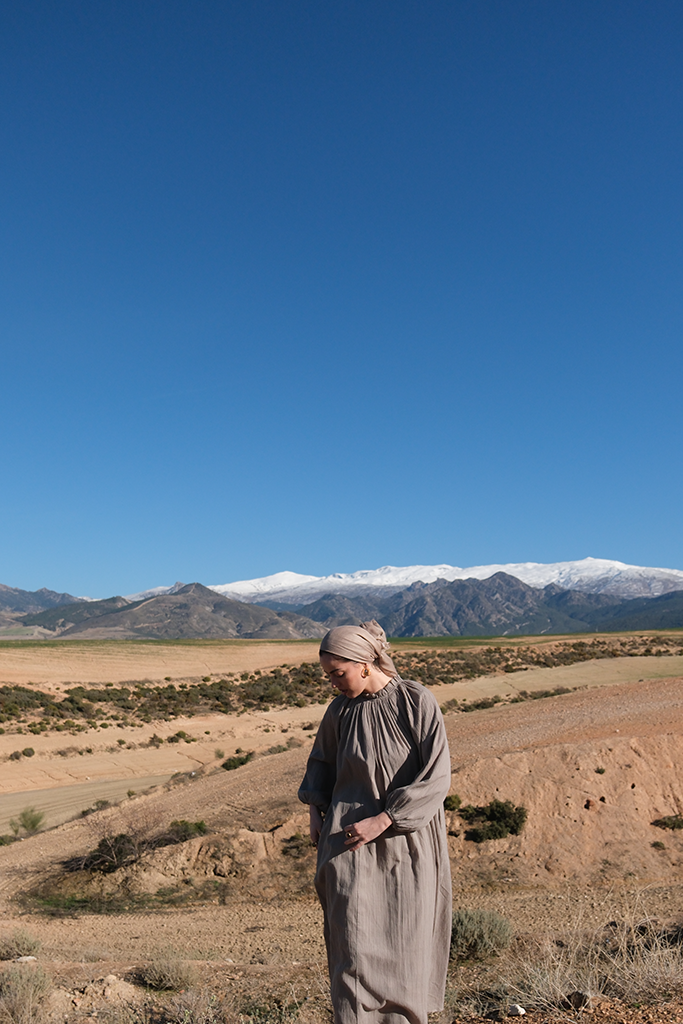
point(365, 830)
point(316, 825)
point(414, 804)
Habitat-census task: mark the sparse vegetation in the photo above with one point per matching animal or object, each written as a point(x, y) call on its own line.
point(452, 802)
point(477, 934)
point(272, 1011)
point(495, 820)
point(82, 707)
point(29, 821)
point(237, 761)
point(168, 974)
point(671, 821)
point(19, 943)
point(23, 989)
point(116, 851)
point(201, 1006)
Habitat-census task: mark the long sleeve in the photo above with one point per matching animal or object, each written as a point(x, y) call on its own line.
point(321, 770)
point(413, 805)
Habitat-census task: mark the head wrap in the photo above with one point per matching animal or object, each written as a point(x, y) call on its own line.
point(364, 643)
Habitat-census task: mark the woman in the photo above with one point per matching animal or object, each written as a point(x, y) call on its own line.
point(375, 782)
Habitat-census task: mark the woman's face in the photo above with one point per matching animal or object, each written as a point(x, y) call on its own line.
point(346, 676)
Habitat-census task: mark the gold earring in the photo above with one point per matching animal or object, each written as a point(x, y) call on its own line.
point(365, 673)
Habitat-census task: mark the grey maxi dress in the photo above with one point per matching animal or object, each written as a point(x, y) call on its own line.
point(387, 905)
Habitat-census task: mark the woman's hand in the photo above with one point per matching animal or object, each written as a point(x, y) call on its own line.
point(316, 825)
point(365, 830)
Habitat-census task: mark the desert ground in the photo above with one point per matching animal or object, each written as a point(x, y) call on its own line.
point(594, 768)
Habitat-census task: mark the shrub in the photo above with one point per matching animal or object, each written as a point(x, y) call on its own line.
point(111, 853)
point(29, 820)
point(201, 1006)
point(496, 820)
point(15, 755)
point(237, 761)
point(180, 831)
point(599, 771)
point(22, 990)
point(275, 1011)
point(477, 934)
point(28, 752)
point(672, 821)
point(452, 802)
point(218, 753)
point(168, 974)
point(19, 943)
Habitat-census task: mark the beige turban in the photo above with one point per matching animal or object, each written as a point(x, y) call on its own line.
point(364, 643)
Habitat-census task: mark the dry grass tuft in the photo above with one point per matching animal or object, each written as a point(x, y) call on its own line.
point(477, 934)
point(201, 1006)
point(633, 960)
point(168, 974)
point(22, 991)
point(19, 943)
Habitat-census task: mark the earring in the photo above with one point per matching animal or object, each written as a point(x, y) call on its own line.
point(365, 673)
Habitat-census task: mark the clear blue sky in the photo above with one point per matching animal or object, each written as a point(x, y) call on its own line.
point(330, 285)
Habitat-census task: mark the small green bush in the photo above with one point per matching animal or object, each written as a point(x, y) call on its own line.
point(19, 943)
point(496, 820)
point(658, 845)
point(452, 802)
point(28, 751)
point(237, 761)
point(672, 821)
point(180, 831)
point(29, 820)
point(477, 934)
point(600, 771)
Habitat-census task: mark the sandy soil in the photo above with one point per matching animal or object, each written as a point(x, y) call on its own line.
point(584, 858)
point(122, 753)
point(54, 664)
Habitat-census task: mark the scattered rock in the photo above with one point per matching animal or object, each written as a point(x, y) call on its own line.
point(516, 1010)
point(24, 959)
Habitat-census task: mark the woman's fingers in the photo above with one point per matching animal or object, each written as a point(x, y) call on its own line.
point(365, 830)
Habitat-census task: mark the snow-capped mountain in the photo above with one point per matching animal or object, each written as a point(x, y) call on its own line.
point(590, 575)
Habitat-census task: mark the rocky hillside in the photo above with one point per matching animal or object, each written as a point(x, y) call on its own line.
point(193, 611)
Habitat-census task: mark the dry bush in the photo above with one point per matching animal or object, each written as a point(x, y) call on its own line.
point(168, 974)
point(19, 943)
point(269, 1011)
point(129, 1013)
point(632, 960)
point(22, 991)
point(477, 934)
point(201, 1006)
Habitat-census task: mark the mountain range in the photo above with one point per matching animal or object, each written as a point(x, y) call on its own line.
point(190, 611)
point(290, 606)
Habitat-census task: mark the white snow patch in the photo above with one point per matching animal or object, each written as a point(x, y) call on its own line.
point(591, 575)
